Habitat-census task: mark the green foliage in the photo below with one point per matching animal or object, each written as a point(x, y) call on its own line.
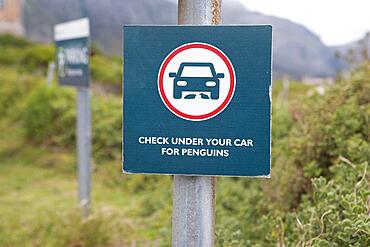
point(34, 58)
point(337, 215)
point(281, 123)
point(10, 40)
point(49, 115)
point(106, 127)
point(37, 56)
point(50, 118)
point(14, 89)
point(70, 230)
point(39, 203)
point(106, 70)
point(28, 57)
point(318, 194)
point(10, 56)
point(319, 191)
point(330, 126)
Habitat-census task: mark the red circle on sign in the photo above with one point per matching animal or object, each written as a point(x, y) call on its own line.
point(229, 94)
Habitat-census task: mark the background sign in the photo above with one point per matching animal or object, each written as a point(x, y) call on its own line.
point(72, 41)
point(197, 100)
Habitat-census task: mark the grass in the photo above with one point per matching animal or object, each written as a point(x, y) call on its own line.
point(39, 204)
point(38, 201)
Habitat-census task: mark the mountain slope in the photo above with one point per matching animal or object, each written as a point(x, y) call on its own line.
point(297, 51)
point(354, 51)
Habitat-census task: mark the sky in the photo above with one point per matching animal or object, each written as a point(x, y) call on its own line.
point(336, 22)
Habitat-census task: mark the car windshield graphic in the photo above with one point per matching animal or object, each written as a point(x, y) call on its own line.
point(196, 71)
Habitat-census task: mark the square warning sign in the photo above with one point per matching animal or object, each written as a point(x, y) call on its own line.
point(197, 100)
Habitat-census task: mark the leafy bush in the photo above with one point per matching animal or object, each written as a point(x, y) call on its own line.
point(49, 115)
point(319, 192)
point(107, 125)
point(70, 230)
point(26, 56)
point(14, 89)
point(330, 126)
point(337, 215)
point(37, 56)
point(34, 58)
point(10, 56)
point(50, 118)
point(106, 70)
point(10, 40)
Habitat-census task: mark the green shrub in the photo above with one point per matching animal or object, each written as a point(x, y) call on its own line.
point(10, 56)
point(37, 56)
point(23, 54)
point(14, 89)
point(34, 58)
point(56, 227)
point(50, 118)
point(329, 123)
point(338, 214)
point(282, 123)
point(319, 191)
point(106, 70)
point(107, 127)
point(97, 230)
point(49, 115)
point(10, 40)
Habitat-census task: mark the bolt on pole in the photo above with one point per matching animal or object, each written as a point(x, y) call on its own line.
point(84, 148)
point(194, 197)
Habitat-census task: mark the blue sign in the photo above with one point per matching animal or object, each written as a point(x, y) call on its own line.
point(197, 100)
point(72, 52)
point(73, 62)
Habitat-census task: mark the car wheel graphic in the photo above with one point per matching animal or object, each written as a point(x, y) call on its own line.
point(177, 93)
point(215, 93)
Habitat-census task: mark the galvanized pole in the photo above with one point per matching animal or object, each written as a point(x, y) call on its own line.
point(84, 148)
point(194, 198)
point(50, 76)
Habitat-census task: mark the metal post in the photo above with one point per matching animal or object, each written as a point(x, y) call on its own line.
point(194, 198)
point(193, 219)
point(286, 83)
point(84, 148)
point(50, 76)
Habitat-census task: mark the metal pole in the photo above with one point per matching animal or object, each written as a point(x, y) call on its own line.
point(193, 219)
point(194, 198)
point(84, 148)
point(50, 75)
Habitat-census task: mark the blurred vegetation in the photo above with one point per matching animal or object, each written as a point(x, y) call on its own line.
point(319, 193)
point(50, 112)
point(34, 58)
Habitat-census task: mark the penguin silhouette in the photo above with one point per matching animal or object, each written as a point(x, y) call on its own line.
point(190, 96)
point(204, 96)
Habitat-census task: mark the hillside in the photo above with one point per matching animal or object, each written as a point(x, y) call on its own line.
point(318, 194)
point(354, 51)
point(297, 51)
